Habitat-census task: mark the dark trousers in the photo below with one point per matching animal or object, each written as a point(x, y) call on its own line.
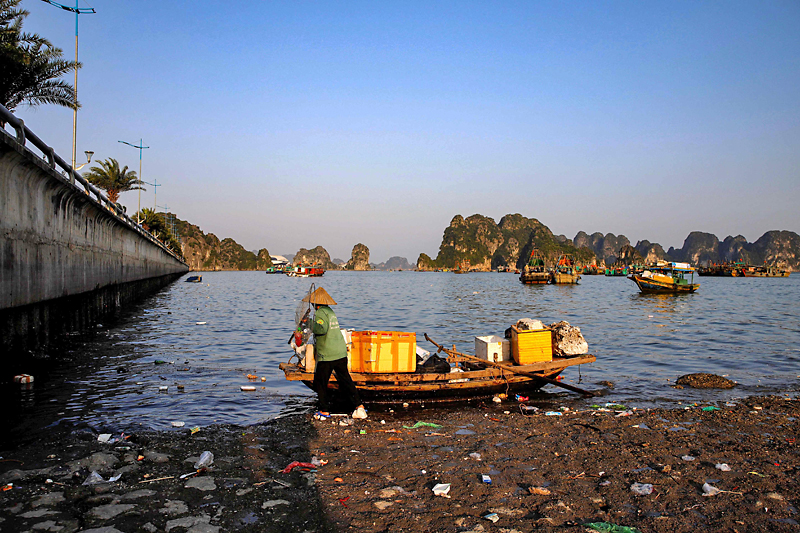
point(322, 375)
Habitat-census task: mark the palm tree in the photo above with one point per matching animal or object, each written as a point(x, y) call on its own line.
point(30, 64)
point(109, 177)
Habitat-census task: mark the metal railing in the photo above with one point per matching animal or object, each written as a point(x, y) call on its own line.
point(23, 136)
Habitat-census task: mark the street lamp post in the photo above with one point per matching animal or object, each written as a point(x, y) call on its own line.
point(78, 11)
point(140, 147)
point(89, 155)
point(155, 186)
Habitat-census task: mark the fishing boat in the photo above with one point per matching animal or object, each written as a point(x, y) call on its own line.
point(565, 271)
point(535, 272)
point(462, 267)
point(194, 279)
point(305, 272)
point(764, 272)
point(477, 379)
point(666, 279)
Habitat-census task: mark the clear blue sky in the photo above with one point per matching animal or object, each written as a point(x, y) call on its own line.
point(295, 124)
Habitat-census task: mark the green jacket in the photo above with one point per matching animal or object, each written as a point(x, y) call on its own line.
point(330, 345)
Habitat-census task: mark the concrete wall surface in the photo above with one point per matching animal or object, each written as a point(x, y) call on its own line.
point(57, 241)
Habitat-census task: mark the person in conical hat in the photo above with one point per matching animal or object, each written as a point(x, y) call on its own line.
point(330, 351)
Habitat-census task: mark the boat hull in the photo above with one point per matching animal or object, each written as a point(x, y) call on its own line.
point(652, 286)
point(535, 278)
point(563, 278)
point(417, 387)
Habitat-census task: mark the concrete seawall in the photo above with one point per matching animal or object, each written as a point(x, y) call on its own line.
point(66, 259)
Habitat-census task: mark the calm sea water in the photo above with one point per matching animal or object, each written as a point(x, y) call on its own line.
point(745, 329)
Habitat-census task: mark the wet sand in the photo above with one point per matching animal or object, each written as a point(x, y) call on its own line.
point(548, 473)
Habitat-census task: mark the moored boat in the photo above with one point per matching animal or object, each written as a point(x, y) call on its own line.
point(535, 272)
point(764, 272)
point(565, 271)
point(305, 272)
point(666, 279)
point(194, 279)
point(478, 379)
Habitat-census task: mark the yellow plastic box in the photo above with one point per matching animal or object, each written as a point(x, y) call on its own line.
point(531, 346)
point(383, 352)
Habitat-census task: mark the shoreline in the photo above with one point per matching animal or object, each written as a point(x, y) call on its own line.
point(548, 472)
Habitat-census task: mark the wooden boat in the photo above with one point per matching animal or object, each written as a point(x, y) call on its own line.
point(668, 279)
point(462, 268)
point(535, 272)
point(617, 271)
point(305, 272)
point(565, 271)
point(194, 279)
point(479, 379)
point(764, 272)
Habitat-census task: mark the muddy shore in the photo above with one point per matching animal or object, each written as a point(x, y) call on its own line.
point(547, 472)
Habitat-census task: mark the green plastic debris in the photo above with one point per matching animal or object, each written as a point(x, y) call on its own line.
point(606, 527)
point(423, 424)
point(711, 408)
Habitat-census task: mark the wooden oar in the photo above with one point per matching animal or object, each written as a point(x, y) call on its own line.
point(511, 369)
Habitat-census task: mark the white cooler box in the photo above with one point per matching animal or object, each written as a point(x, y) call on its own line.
point(493, 348)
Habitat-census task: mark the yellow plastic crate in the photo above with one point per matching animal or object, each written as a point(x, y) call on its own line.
point(531, 346)
point(383, 352)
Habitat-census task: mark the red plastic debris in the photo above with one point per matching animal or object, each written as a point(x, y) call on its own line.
point(298, 464)
point(343, 500)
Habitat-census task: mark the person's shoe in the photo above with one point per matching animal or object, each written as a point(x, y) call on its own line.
point(360, 413)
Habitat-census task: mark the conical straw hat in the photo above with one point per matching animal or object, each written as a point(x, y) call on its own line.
point(319, 297)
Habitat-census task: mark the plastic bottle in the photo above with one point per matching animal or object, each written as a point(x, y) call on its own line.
point(206, 460)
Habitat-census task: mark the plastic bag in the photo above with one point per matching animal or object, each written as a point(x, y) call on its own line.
point(206, 460)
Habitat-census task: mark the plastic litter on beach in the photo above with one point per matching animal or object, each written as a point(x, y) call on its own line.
point(710, 490)
point(607, 527)
point(723, 466)
point(553, 413)
point(441, 489)
point(541, 491)
point(201, 323)
point(297, 464)
point(642, 489)
point(248, 388)
point(687, 457)
point(711, 408)
point(492, 516)
point(95, 478)
point(206, 460)
point(178, 424)
point(195, 430)
point(486, 479)
point(23, 378)
point(476, 456)
point(423, 424)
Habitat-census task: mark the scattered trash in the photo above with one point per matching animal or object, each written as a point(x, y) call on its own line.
point(711, 408)
point(642, 426)
point(522, 398)
point(206, 459)
point(423, 424)
point(297, 464)
point(441, 489)
point(606, 527)
point(552, 413)
point(642, 489)
point(757, 474)
point(195, 430)
point(201, 323)
point(338, 480)
point(492, 516)
point(163, 388)
point(247, 388)
point(190, 474)
point(541, 491)
point(318, 462)
point(8, 487)
point(104, 438)
point(616, 406)
point(178, 424)
point(486, 479)
point(723, 466)
point(363, 432)
point(23, 378)
point(95, 479)
point(624, 413)
point(476, 456)
point(496, 399)
point(687, 457)
point(252, 376)
point(709, 490)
